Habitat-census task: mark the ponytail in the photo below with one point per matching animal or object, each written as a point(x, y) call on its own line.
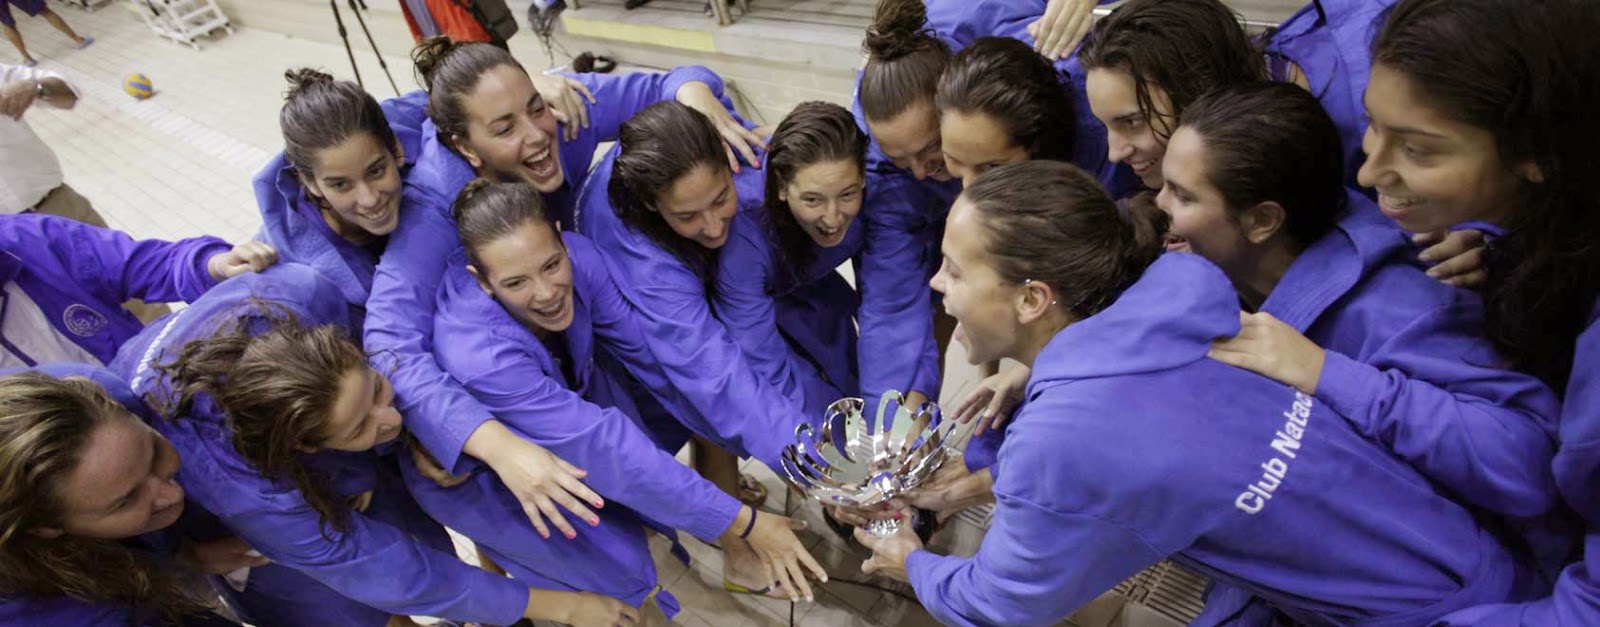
point(904, 60)
point(320, 112)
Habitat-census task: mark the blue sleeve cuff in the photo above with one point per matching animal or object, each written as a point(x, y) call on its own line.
point(719, 515)
point(926, 570)
point(200, 280)
point(1349, 388)
point(506, 602)
point(684, 74)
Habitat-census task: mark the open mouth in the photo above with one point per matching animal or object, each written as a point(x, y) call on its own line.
point(1142, 168)
point(378, 216)
point(1177, 243)
point(830, 236)
point(542, 165)
point(549, 313)
point(1395, 206)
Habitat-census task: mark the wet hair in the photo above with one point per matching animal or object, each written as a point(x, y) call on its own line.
point(276, 381)
point(1272, 141)
point(1050, 221)
point(1529, 73)
point(487, 211)
point(320, 112)
point(451, 70)
point(657, 147)
point(1184, 47)
point(1005, 79)
point(45, 426)
point(904, 59)
point(815, 132)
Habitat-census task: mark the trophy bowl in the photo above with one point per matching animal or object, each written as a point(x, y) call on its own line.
point(855, 461)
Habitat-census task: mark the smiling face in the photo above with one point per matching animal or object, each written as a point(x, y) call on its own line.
point(1201, 222)
point(910, 140)
point(1131, 135)
point(511, 132)
point(528, 272)
point(699, 205)
point(1431, 172)
point(983, 304)
point(975, 142)
point(358, 181)
point(124, 484)
point(825, 199)
point(363, 414)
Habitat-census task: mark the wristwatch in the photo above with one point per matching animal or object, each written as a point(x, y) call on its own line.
point(38, 88)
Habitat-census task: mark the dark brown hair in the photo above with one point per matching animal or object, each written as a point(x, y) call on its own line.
point(815, 132)
point(657, 146)
point(1005, 79)
point(487, 211)
point(1050, 221)
point(1272, 141)
point(45, 424)
point(320, 112)
point(451, 70)
point(1185, 47)
point(904, 59)
point(1529, 73)
point(277, 382)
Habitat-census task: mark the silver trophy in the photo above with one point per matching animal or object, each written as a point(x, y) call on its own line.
point(856, 461)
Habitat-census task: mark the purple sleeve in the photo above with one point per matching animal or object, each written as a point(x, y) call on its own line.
point(1577, 464)
point(399, 334)
point(1433, 396)
point(1015, 579)
point(1575, 601)
point(897, 348)
point(619, 96)
point(152, 270)
point(748, 312)
point(405, 115)
point(694, 368)
point(372, 562)
point(623, 463)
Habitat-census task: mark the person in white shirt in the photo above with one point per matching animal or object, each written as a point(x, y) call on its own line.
point(30, 174)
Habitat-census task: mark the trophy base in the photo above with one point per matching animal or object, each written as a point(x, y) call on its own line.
point(883, 528)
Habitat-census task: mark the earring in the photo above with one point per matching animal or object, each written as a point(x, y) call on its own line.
point(1028, 282)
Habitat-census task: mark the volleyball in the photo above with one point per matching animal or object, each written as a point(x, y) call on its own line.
point(138, 86)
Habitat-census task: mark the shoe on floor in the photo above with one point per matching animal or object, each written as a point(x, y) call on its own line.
point(85, 43)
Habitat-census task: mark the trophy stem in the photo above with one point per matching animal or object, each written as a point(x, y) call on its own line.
point(883, 528)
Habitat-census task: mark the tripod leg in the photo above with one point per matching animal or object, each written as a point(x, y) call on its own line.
point(363, 22)
point(345, 36)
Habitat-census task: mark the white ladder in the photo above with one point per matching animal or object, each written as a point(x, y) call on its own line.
point(182, 21)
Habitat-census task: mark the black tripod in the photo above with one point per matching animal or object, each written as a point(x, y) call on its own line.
point(345, 36)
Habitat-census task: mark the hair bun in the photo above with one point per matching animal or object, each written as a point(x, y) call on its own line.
point(302, 79)
point(429, 54)
point(899, 28)
point(1150, 225)
point(472, 188)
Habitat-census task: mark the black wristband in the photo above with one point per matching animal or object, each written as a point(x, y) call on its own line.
point(750, 526)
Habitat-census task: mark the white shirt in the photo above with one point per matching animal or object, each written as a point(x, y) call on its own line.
point(29, 170)
point(27, 330)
